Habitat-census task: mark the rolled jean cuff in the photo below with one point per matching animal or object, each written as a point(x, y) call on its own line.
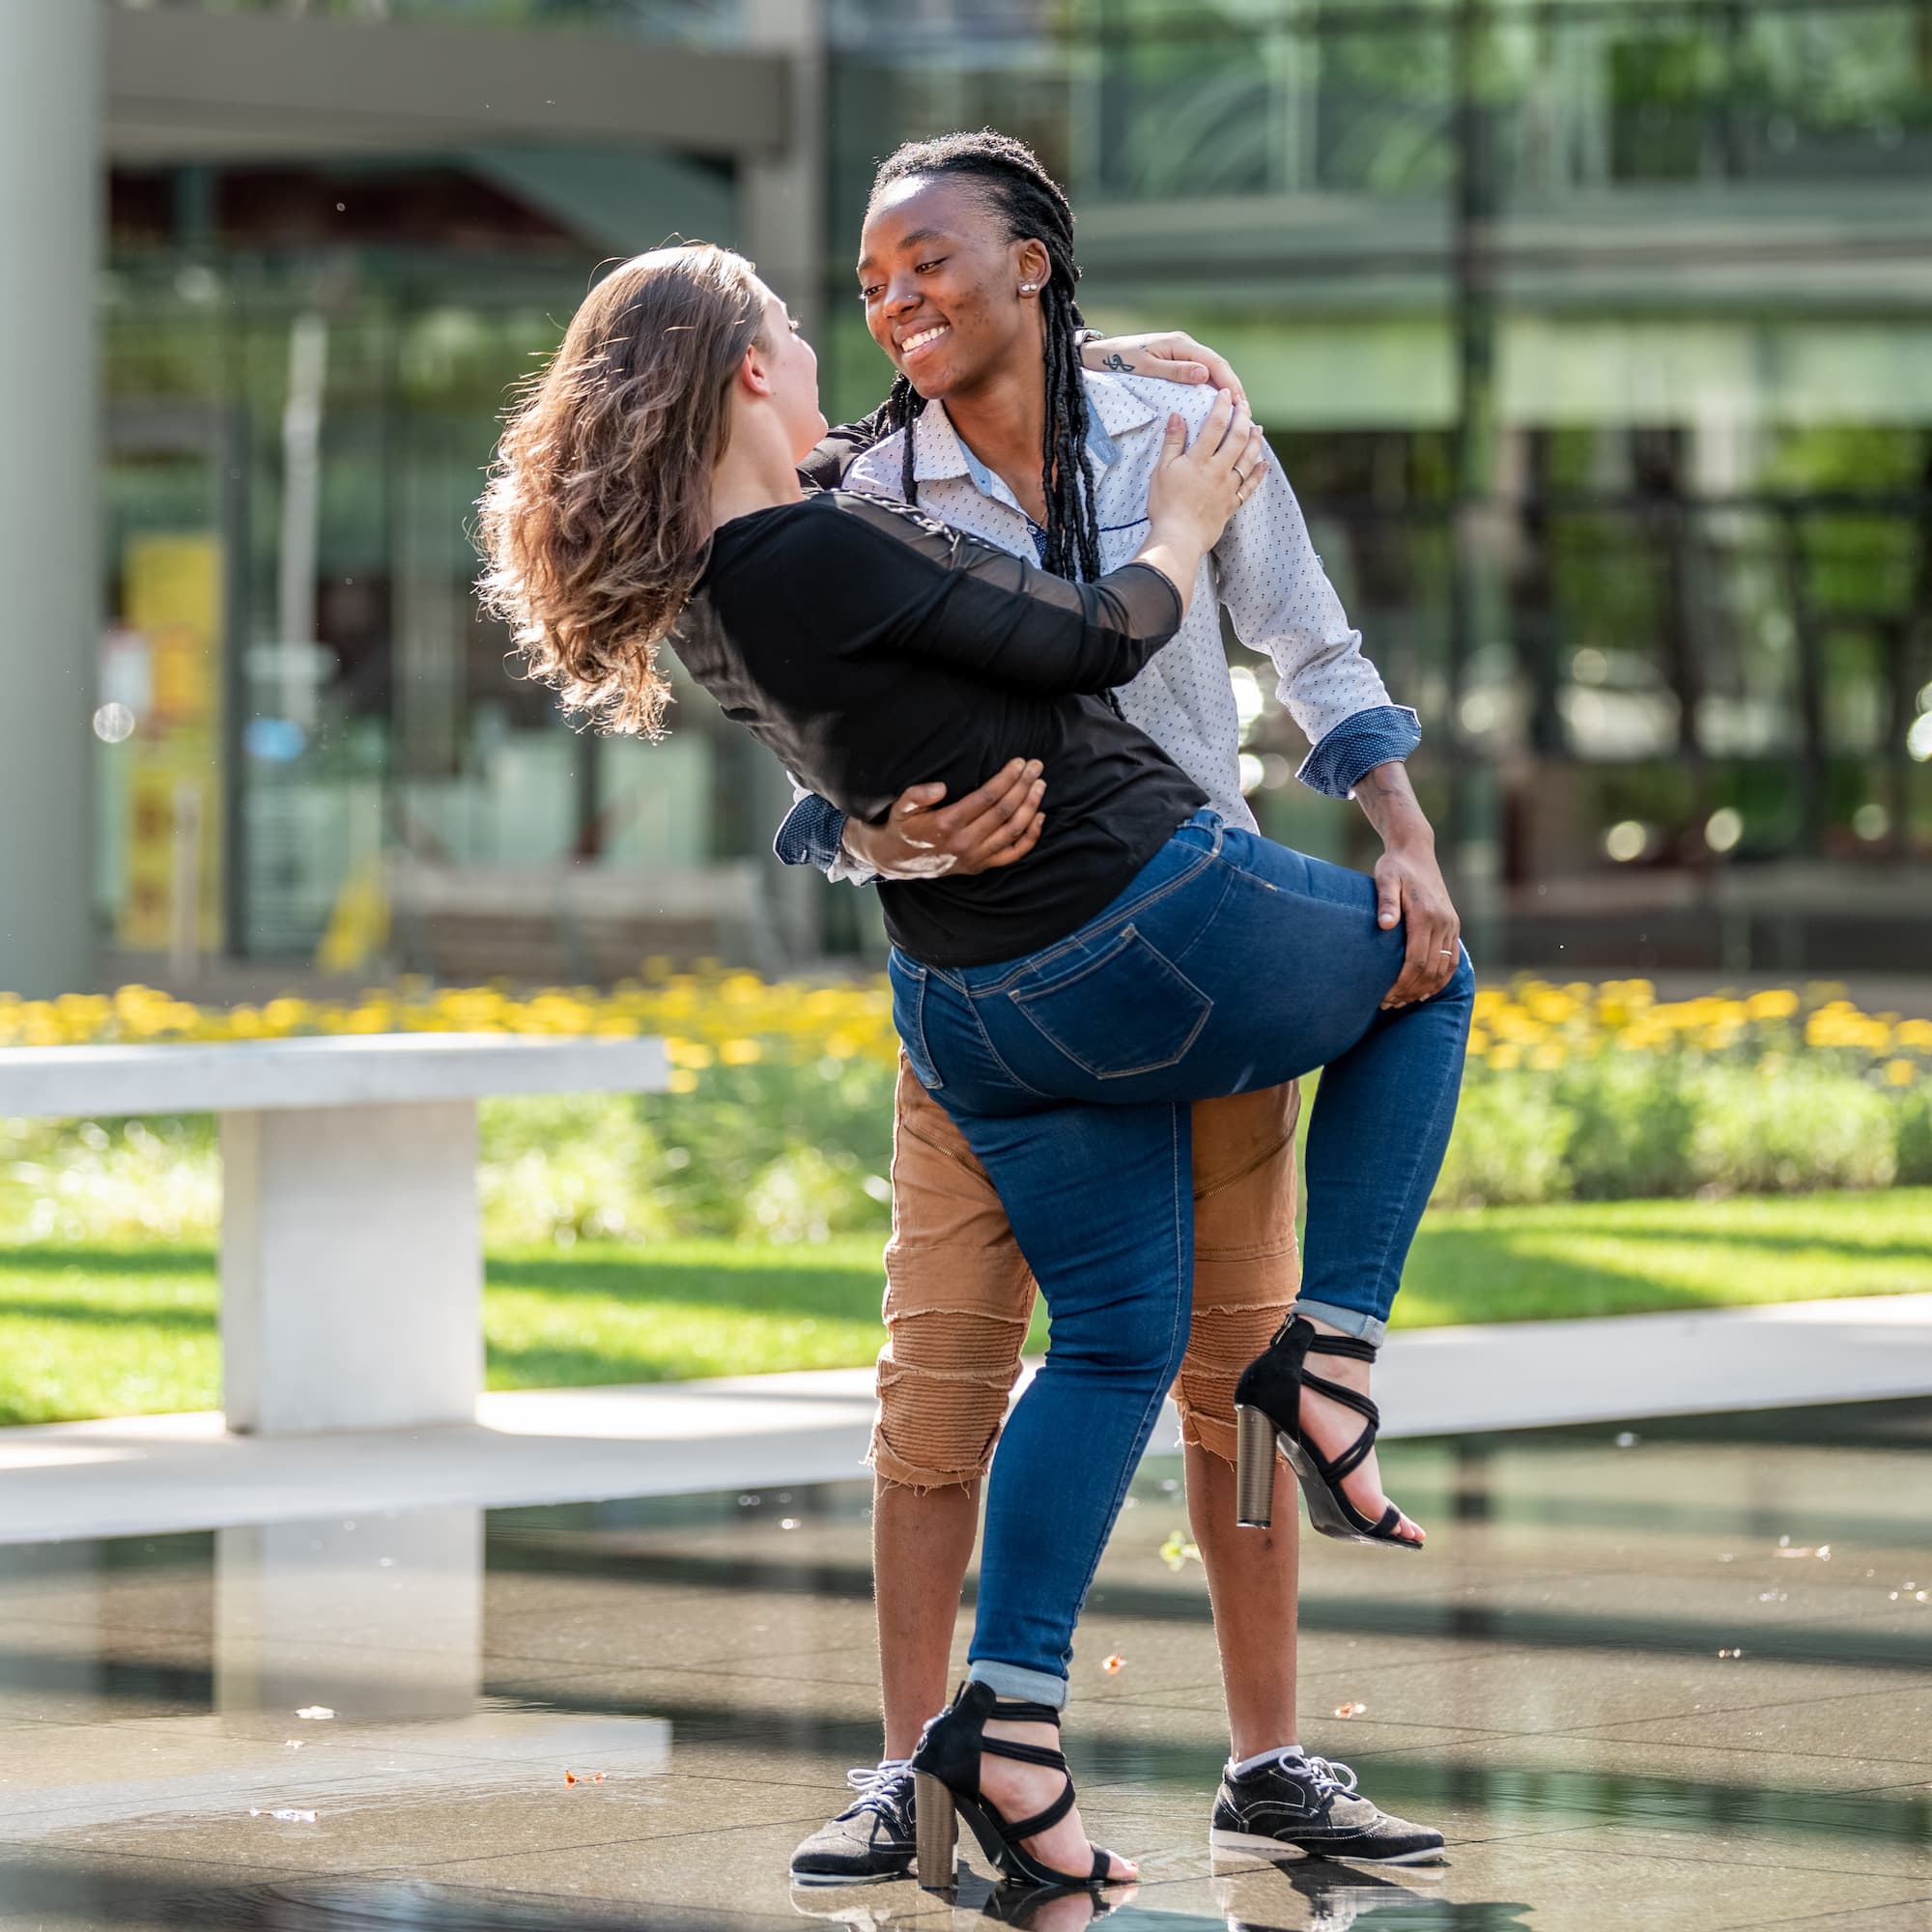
point(1017, 1681)
point(1369, 1328)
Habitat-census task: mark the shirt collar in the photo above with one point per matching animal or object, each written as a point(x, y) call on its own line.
point(938, 454)
point(1112, 409)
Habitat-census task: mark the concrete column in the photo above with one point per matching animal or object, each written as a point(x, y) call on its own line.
point(49, 221)
point(781, 228)
point(352, 1268)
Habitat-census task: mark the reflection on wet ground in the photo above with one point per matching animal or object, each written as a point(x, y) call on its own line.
point(1682, 1677)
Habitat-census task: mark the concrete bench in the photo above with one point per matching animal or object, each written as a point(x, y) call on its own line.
point(352, 1251)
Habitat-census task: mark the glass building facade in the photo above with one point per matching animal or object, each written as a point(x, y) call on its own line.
point(1596, 336)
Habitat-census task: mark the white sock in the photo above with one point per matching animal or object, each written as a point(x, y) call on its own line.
point(1280, 1754)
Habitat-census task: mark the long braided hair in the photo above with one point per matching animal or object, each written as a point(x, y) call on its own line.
point(1035, 208)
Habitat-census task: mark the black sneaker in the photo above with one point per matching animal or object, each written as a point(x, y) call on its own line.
point(870, 1840)
point(1307, 1807)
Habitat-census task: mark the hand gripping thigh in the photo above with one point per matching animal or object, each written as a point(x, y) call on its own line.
point(958, 1299)
point(1247, 1264)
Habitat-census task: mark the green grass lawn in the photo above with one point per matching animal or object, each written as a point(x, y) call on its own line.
point(120, 1328)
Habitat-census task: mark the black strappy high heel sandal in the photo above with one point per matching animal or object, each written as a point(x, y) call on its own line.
point(1267, 1410)
point(945, 1787)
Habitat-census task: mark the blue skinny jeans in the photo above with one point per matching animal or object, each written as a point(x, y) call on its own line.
point(1229, 963)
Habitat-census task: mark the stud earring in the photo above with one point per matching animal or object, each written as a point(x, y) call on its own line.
point(1028, 287)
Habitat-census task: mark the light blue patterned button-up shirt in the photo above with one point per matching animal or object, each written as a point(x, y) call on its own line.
point(1264, 570)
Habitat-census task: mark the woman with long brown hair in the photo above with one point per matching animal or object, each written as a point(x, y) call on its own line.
point(1065, 1009)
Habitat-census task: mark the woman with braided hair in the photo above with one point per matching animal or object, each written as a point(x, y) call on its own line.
point(969, 281)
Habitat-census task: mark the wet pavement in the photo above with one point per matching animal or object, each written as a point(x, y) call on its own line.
point(1677, 1679)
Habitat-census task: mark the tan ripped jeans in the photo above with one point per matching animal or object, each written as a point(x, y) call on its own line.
point(959, 1297)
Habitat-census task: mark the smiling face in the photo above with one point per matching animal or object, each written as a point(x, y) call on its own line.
point(941, 284)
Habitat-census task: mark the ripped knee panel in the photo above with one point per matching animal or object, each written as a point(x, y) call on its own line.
point(1236, 1309)
point(944, 1378)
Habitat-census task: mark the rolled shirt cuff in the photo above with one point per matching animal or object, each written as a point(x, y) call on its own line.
point(1359, 744)
point(810, 834)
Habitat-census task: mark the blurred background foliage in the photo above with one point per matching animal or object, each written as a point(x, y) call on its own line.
point(778, 1127)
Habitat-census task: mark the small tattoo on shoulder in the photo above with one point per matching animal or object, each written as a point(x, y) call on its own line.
point(1114, 359)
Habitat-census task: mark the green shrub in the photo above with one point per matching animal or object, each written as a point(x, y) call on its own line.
point(808, 1195)
point(555, 1170)
point(736, 1134)
point(112, 1179)
point(1915, 1139)
point(1633, 1120)
point(1509, 1145)
point(1786, 1130)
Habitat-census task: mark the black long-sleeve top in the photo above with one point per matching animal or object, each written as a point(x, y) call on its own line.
point(872, 649)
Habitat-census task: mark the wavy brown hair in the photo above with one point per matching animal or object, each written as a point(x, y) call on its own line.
point(596, 522)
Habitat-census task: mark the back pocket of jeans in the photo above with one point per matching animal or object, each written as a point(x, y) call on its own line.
point(1119, 1011)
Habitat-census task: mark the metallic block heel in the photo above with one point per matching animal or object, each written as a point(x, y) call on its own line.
point(1254, 1469)
point(936, 1831)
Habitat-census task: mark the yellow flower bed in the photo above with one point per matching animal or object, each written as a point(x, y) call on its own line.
point(720, 1018)
point(737, 1019)
point(780, 1115)
point(1543, 1027)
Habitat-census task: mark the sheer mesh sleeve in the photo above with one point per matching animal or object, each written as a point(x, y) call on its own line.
point(901, 580)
